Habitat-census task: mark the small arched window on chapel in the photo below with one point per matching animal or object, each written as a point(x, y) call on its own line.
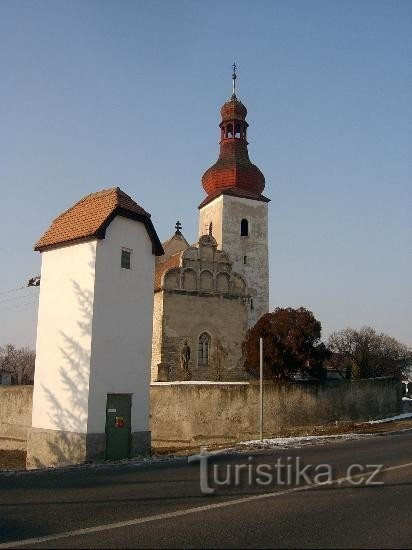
point(244, 228)
point(203, 349)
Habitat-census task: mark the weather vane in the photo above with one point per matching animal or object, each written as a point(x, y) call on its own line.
point(234, 78)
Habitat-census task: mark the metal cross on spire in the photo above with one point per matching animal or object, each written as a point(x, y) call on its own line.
point(178, 227)
point(234, 78)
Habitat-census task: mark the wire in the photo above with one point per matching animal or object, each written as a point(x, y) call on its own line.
point(18, 306)
point(21, 296)
point(12, 290)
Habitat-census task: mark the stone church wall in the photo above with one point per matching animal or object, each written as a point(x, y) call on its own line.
point(157, 333)
point(186, 317)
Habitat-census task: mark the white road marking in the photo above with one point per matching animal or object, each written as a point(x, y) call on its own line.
point(180, 513)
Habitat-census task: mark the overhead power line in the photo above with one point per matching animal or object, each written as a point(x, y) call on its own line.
point(18, 306)
point(32, 282)
point(29, 294)
point(13, 290)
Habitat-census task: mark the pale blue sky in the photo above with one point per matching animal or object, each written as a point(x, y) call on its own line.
point(95, 94)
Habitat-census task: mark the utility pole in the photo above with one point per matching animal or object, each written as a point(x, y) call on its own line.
point(261, 388)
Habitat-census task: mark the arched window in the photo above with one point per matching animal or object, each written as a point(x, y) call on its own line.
point(244, 228)
point(203, 349)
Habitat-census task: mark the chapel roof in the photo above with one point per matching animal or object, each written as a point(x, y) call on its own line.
point(90, 217)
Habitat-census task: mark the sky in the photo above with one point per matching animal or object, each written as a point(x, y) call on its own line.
point(97, 94)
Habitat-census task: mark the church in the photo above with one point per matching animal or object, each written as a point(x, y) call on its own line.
point(208, 294)
point(119, 309)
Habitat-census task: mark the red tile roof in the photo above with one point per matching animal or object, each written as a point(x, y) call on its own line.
point(233, 168)
point(90, 217)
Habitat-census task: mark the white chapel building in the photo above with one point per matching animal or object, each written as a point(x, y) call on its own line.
point(94, 333)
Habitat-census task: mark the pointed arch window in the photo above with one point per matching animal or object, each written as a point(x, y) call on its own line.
point(203, 349)
point(244, 228)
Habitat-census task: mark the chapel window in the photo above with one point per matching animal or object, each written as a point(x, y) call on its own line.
point(203, 349)
point(126, 258)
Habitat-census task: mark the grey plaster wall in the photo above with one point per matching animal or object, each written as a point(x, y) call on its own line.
point(191, 414)
point(188, 415)
point(15, 416)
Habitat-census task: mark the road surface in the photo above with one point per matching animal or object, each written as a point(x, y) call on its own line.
point(162, 506)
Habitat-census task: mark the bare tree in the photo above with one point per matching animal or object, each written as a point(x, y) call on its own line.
point(366, 354)
point(18, 362)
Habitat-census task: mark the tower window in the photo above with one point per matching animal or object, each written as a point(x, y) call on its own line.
point(203, 349)
point(244, 228)
point(245, 260)
point(126, 259)
point(251, 304)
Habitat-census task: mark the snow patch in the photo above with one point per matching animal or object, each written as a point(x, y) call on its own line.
point(199, 383)
point(286, 442)
point(392, 418)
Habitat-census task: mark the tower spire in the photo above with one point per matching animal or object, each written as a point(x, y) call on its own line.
point(234, 80)
point(233, 168)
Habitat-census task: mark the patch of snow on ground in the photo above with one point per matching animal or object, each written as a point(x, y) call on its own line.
point(286, 442)
point(392, 418)
point(199, 383)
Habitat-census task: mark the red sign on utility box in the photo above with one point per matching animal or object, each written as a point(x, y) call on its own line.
point(119, 422)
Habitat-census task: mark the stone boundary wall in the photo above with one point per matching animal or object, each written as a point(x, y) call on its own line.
point(185, 415)
point(190, 414)
point(15, 416)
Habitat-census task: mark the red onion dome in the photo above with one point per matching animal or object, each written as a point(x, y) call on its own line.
point(233, 168)
point(233, 110)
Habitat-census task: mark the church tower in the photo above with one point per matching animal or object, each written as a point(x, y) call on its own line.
point(235, 212)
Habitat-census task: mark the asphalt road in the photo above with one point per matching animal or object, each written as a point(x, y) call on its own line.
point(162, 506)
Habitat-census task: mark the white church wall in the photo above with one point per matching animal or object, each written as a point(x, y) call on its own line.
point(63, 348)
point(122, 325)
point(248, 254)
point(212, 212)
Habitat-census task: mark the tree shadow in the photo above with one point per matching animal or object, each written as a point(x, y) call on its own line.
point(68, 402)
